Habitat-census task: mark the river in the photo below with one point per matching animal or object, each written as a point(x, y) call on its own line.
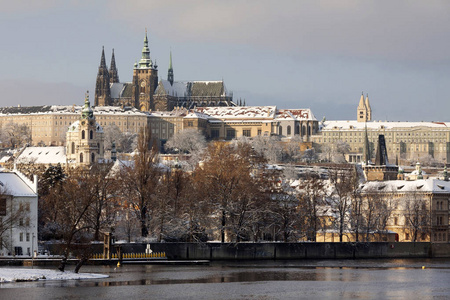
point(307, 279)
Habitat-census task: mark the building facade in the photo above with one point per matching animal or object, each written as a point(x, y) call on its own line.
point(18, 214)
point(419, 209)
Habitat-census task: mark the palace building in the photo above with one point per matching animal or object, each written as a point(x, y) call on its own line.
point(405, 141)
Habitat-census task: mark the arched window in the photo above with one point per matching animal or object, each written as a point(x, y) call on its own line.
point(92, 157)
point(303, 130)
point(297, 129)
point(289, 130)
point(91, 135)
point(280, 131)
point(83, 135)
point(309, 129)
point(81, 157)
point(73, 148)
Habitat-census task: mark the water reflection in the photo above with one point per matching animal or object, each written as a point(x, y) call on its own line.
point(279, 279)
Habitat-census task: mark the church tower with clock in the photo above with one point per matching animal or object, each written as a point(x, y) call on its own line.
point(145, 80)
point(85, 138)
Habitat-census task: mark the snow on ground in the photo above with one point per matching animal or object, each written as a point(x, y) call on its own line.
point(21, 274)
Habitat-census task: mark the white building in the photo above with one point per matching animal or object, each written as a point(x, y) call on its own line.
point(18, 214)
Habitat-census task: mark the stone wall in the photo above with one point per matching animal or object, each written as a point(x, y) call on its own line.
point(285, 251)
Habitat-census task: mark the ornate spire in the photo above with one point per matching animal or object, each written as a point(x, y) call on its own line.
point(86, 112)
point(102, 90)
point(368, 109)
point(103, 60)
point(145, 61)
point(170, 71)
point(113, 71)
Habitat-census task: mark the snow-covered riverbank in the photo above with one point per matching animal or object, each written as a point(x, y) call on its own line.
point(22, 274)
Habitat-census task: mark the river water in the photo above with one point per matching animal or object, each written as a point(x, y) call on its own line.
point(306, 279)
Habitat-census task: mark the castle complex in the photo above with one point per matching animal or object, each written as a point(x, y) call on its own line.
point(146, 93)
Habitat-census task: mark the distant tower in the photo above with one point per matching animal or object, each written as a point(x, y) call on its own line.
point(84, 138)
point(364, 112)
point(170, 71)
point(145, 80)
point(102, 88)
point(113, 71)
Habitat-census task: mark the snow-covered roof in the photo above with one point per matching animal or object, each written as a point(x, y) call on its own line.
point(296, 114)
point(75, 126)
point(422, 185)
point(352, 125)
point(43, 155)
point(68, 109)
point(239, 112)
point(12, 184)
point(192, 88)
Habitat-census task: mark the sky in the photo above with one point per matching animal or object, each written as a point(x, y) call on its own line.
point(318, 54)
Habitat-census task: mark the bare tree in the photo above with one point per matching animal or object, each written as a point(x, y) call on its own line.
point(342, 183)
point(187, 141)
point(139, 181)
point(311, 194)
point(15, 135)
point(269, 147)
point(417, 214)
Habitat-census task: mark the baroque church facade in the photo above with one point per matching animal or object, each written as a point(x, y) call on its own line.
point(147, 93)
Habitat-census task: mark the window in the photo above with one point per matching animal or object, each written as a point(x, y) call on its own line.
point(231, 134)
point(83, 135)
point(92, 157)
point(91, 134)
point(21, 222)
point(215, 133)
point(190, 124)
point(73, 147)
point(406, 236)
point(297, 129)
point(259, 131)
point(28, 237)
point(21, 237)
point(81, 157)
point(280, 131)
point(246, 132)
point(27, 222)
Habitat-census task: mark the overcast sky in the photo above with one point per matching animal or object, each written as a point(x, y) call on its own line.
point(292, 54)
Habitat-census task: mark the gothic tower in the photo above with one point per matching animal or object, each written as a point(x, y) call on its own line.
point(113, 71)
point(102, 90)
point(170, 71)
point(362, 110)
point(84, 138)
point(145, 80)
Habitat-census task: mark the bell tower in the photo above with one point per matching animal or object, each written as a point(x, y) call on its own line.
point(145, 80)
point(84, 138)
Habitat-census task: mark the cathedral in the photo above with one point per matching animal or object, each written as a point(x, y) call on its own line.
point(147, 93)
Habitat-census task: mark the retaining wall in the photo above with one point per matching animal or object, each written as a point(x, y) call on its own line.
point(250, 251)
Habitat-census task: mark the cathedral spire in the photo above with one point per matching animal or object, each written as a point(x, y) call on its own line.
point(102, 90)
point(170, 71)
point(113, 71)
point(145, 61)
point(368, 109)
point(103, 60)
